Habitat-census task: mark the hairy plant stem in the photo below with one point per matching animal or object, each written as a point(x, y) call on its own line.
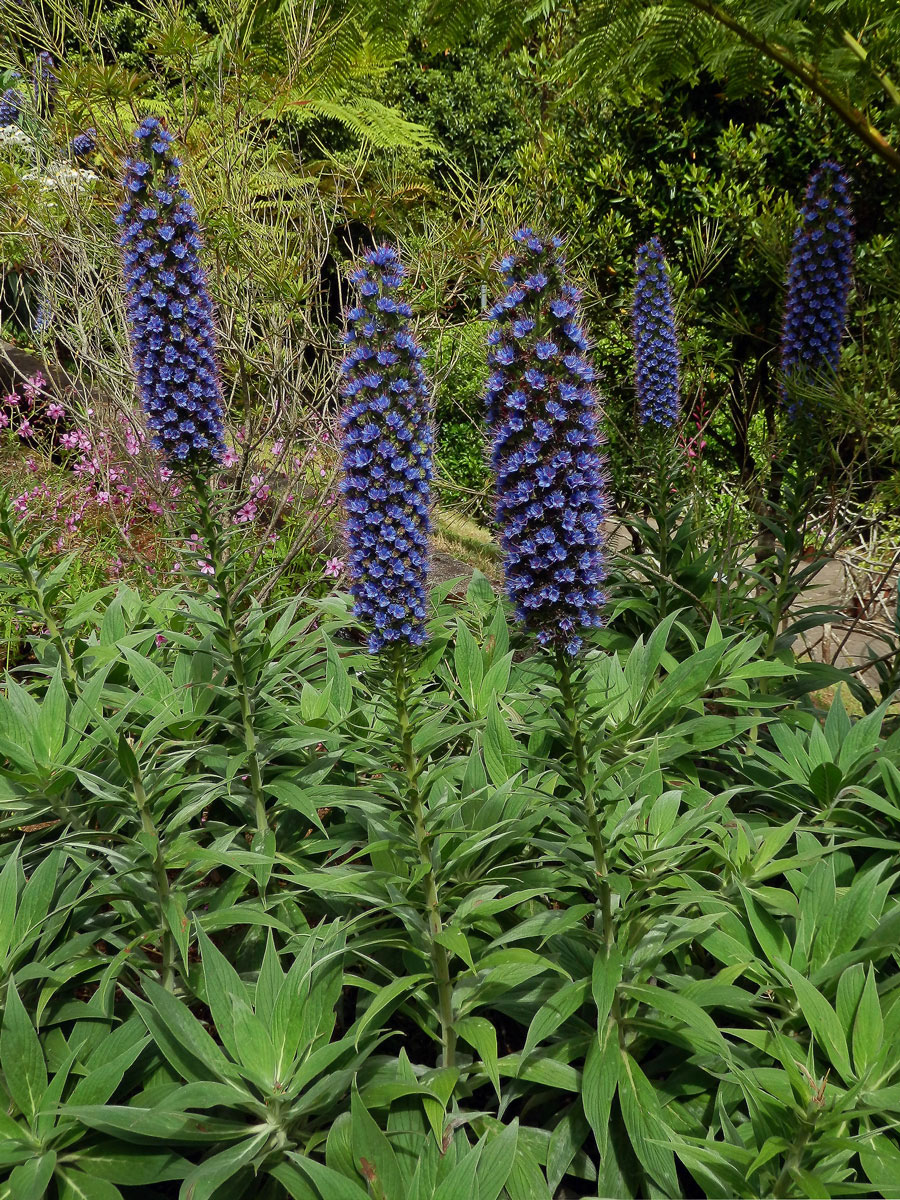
point(226, 610)
point(61, 809)
point(440, 961)
point(794, 1156)
point(52, 628)
point(585, 783)
point(662, 495)
point(167, 941)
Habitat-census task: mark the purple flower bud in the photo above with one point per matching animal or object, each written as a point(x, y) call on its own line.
point(83, 144)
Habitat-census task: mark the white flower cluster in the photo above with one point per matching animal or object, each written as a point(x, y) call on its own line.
point(62, 177)
point(12, 135)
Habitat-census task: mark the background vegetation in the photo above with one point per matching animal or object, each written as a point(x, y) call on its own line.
point(204, 996)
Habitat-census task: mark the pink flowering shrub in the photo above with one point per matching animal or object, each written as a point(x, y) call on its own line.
point(92, 481)
point(32, 414)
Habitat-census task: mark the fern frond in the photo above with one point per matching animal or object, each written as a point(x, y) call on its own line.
point(448, 23)
point(373, 122)
point(744, 41)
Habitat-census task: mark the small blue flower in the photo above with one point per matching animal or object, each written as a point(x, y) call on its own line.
point(657, 358)
point(387, 448)
point(820, 276)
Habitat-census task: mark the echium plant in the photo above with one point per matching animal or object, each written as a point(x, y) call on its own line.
point(543, 410)
point(83, 144)
point(657, 380)
point(543, 414)
point(387, 446)
point(173, 347)
point(10, 107)
point(820, 276)
point(170, 317)
point(387, 449)
point(657, 358)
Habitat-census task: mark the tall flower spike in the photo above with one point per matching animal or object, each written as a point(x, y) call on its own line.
point(657, 360)
point(819, 279)
point(387, 448)
point(170, 315)
point(543, 412)
point(83, 144)
point(10, 107)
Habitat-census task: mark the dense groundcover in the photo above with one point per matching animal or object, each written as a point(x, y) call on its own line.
point(197, 1007)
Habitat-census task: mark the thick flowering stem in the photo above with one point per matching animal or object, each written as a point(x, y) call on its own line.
point(215, 552)
point(415, 810)
point(167, 941)
point(662, 466)
point(820, 276)
point(544, 416)
point(585, 783)
point(656, 353)
point(794, 1156)
point(50, 623)
point(24, 563)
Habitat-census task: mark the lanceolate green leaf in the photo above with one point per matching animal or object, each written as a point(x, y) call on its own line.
point(21, 1057)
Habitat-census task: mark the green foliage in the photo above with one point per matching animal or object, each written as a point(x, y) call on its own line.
point(469, 101)
point(276, 921)
point(461, 461)
point(716, 171)
point(457, 361)
point(745, 42)
point(194, 1001)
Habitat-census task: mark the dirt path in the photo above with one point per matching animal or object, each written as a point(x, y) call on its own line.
point(865, 595)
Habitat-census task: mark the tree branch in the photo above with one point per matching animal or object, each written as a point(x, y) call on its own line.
point(808, 74)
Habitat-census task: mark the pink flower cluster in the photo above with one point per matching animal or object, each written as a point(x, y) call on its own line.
point(103, 478)
point(259, 493)
point(93, 474)
point(30, 413)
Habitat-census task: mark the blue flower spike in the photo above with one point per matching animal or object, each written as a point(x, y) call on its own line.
point(387, 444)
point(544, 415)
point(657, 358)
point(170, 314)
point(820, 276)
